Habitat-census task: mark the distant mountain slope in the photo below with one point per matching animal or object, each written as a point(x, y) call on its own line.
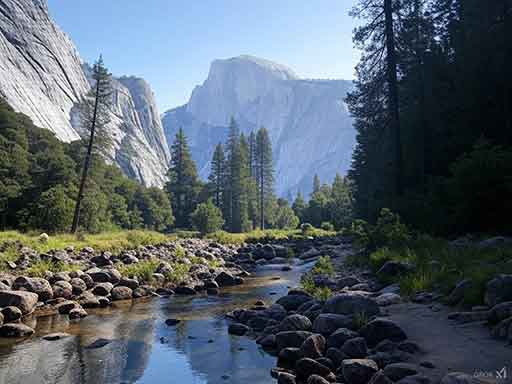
point(42, 76)
point(310, 127)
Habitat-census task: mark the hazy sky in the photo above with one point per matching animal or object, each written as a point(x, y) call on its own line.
point(172, 43)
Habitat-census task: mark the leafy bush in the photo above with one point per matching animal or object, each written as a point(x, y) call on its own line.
point(389, 231)
point(306, 228)
point(326, 226)
point(207, 218)
point(320, 293)
point(324, 266)
point(359, 231)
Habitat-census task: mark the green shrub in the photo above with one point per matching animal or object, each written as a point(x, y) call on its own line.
point(326, 226)
point(306, 228)
point(207, 218)
point(308, 285)
point(143, 270)
point(324, 266)
point(178, 274)
point(389, 231)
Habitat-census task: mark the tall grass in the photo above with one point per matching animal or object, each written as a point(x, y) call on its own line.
point(267, 235)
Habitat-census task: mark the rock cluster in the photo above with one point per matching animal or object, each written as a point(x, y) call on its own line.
point(97, 280)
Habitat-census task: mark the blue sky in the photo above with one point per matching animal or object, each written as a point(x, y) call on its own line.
point(172, 43)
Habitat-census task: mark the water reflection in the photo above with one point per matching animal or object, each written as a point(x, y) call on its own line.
point(145, 350)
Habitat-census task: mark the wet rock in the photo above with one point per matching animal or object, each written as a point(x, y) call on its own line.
point(295, 323)
point(104, 301)
point(427, 364)
point(78, 286)
point(98, 343)
point(358, 371)
point(498, 290)
point(286, 378)
point(130, 283)
point(386, 346)
point(37, 285)
point(381, 329)
point(313, 347)
point(102, 289)
point(15, 330)
point(88, 300)
point(326, 361)
point(114, 276)
point(238, 329)
point(380, 378)
point(503, 330)
point(294, 301)
point(306, 367)
point(315, 379)
point(11, 314)
point(121, 293)
point(225, 279)
point(268, 341)
point(77, 313)
point(89, 282)
point(355, 348)
point(288, 357)
point(98, 275)
point(415, 379)
point(184, 290)
point(172, 322)
point(392, 269)
point(336, 356)
point(388, 299)
point(458, 293)
point(62, 289)
point(347, 281)
point(164, 292)
point(340, 336)
point(291, 339)
point(398, 371)
point(25, 301)
point(409, 347)
point(259, 323)
point(327, 323)
point(212, 291)
point(56, 336)
point(65, 307)
point(276, 312)
point(350, 303)
point(102, 260)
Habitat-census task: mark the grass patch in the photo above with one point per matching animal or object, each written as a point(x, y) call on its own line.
point(142, 271)
point(179, 273)
point(114, 241)
point(38, 269)
point(268, 235)
point(320, 293)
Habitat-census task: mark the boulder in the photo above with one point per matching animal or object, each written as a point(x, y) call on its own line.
point(336, 356)
point(276, 312)
point(225, 279)
point(130, 283)
point(238, 329)
point(181, 290)
point(358, 371)
point(381, 329)
point(460, 290)
point(287, 357)
point(88, 300)
point(313, 347)
point(340, 336)
point(15, 330)
point(295, 323)
point(291, 339)
point(503, 330)
point(315, 379)
point(55, 336)
point(102, 260)
point(121, 293)
point(66, 306)
point(268, 341)
point(172, 322)
point(294, 301)
point(392, 269)
point(415, 379)
point(11, 314)
point(350, 303)
point(306, 367)
point(498, 290)
point(380, 378)
point(25, 301)
point(77, 313)
point(62, 289)
point(347, 281)
point(386, 299)
point(398, 371)
point(78, 286)
point(355, 348)
point(286, 378)
point(37, 285)
point(98, 275)
point(460, 378)
point(102, 289)
point(327, 323)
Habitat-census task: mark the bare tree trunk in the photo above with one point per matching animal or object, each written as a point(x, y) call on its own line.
point(87, 162)
point(393, 94)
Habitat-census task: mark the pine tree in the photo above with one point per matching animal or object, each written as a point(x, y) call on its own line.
point(183, 185)
point(217, 176)
point(252, 183)
point(245, 184)
point(233, 208)
point(316, 184)
point(299, 206)
point(264, 173)
point(94, 117)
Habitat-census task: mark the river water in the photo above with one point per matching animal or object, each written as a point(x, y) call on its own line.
point(143, 349)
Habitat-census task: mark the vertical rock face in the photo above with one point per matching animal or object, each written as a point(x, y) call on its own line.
point(41, 75)
point(310, 127)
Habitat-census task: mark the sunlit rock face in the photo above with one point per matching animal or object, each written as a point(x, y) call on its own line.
point(42, 76)
point(309, 124)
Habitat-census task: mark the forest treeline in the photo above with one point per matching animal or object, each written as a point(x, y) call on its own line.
point(433, 113)
point(40, 177)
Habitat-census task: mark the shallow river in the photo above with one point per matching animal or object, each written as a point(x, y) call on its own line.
point(145, 350)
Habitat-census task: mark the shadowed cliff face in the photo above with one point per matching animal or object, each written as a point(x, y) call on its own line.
point(41, 75)
point(145, 350)
point(306, 119)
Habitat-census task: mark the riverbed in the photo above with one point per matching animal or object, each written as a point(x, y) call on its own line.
point(143, 349)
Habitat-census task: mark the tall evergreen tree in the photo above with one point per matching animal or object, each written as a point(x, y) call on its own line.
point(299, 206)
point(217, 176)
point(183, 185)
point(252, 183)
point(316, 184)
point(94, 117)
point(245, 183)
point(264, 173)
point(233, 209)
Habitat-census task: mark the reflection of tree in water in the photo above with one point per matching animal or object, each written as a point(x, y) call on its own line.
point(68, 361)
